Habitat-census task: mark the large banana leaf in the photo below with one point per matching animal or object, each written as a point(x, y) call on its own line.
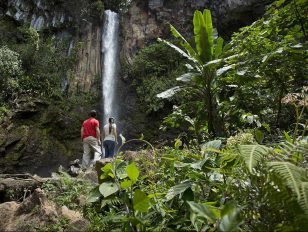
point(219, 47)
point(184, 43)
point(169, 92)
point(179, 50)
point(252, 155)
point(203, 30)
point(187, 77)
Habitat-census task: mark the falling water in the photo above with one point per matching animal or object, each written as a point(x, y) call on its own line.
point(110, 63)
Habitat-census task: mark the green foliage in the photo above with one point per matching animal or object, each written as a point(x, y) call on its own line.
point(10, 71)
point(252, 155)
point(200, 81)
point(67, 190)
point(240, 138)
point(34, 66)
point(268, 61)
point(212, 190)
point(154, 68)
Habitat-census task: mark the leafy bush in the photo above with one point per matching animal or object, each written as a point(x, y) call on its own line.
point(10, 71)
point(266, 61)
point(154, 69)
point(240, 138)
point(67, 191)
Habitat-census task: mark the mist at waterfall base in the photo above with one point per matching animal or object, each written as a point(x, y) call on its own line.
point(110, 65)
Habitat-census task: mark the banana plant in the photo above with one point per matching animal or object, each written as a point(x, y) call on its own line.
point(202, 65)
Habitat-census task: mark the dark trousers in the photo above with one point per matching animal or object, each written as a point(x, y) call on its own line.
point(109, 146)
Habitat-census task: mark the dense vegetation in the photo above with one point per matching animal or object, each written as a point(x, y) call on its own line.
point(240, 165)
point(245, 91)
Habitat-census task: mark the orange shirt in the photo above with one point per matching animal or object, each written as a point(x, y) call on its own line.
point(89, 127)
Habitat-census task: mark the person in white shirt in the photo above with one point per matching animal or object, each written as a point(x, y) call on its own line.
point(110, 138)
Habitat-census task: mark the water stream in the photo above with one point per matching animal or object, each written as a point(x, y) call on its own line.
point(110, 39)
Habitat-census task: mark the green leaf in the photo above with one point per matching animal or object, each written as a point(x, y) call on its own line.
point(126, 184)
point(169, 92)
point(94, 195)
point(120, 170)
point(187, 77)
point(291, 175)
point(219, 46)
point(177, 189)
point(141, 201)
point(203, 30)
point(192, 53)
point(132, 172)
point(108, 188)
point(202, 211)
point(211, 144)
point(259, 135)
point(303, 198)
point(288, 137)
point(230, 218)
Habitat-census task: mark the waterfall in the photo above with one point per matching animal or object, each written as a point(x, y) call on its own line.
point(110, 65)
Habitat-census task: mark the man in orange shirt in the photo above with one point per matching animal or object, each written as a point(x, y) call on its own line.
point(90, 135)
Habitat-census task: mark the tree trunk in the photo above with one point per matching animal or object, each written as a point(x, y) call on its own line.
point(215, 123)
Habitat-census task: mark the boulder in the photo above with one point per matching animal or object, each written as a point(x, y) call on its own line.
point(37, 213)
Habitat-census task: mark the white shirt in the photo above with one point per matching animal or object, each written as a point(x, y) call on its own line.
point(106, 132)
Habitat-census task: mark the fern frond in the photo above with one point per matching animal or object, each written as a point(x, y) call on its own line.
point(303, 200)
point(303, 148)
point(111, 201)
point(289, 148)
point(252, 155)
point(292, 176)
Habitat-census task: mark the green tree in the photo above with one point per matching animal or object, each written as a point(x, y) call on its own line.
point(268, 61)
point(200, 81)
point(10, 70)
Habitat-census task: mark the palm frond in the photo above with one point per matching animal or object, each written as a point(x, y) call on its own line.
point(252, 155)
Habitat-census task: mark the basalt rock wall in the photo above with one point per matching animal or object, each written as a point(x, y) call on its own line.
point(65, 22)
point(148, 19)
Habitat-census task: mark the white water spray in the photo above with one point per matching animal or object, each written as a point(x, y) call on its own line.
point(110, 40)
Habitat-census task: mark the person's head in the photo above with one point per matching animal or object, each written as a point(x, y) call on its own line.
point(93, 113)
point(111, 120)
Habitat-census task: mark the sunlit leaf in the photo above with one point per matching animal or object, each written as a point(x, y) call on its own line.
point(177, 189)
point(141, 201)
point(108, 188)
point(230, 218)
point(132, 172)
point(202, 211)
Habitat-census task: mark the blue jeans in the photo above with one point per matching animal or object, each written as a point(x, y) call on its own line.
point(109, 146)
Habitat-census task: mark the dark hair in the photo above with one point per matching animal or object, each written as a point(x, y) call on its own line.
point(93, 113)
point(111, 121)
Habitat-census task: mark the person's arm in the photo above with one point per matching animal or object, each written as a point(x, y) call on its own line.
point(103, 134)
point(98, 135)
point(115, 135)
point(81, 133)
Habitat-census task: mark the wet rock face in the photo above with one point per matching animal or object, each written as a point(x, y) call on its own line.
point(62, 22)
point(148, 19)
point(37, 137)
point(232, 14)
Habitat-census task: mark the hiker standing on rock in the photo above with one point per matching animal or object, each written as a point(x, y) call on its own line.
point(110, 137)
point(90, 135)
